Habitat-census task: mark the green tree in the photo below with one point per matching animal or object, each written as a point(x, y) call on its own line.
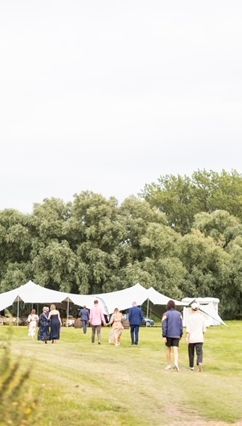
point(15, 248)
point(232, 293)
point(49, 219)
point(55, 267)
point(97, 235)
point(137, 215)
point(219, 225)
point(15, 238)
point(182, 197)
point(207, 265)
point(15, 274)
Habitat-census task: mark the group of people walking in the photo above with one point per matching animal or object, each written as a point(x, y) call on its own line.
point(96, 319)
point(47, 325)
point(172, 330)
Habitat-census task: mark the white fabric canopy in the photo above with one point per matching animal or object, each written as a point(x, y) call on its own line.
point(123, 299)
point(34, 293)
point(208, 305)
point(8, 298)
point(160, 299)
point(84, 300)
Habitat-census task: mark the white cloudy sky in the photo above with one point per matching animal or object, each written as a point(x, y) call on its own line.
point(108, 95)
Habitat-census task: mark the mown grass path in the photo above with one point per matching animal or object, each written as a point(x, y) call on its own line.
point(80, 383)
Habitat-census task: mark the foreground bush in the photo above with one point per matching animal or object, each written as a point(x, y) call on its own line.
point(17, 404)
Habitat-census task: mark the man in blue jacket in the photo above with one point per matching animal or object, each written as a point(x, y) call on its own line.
point(84, 314)
point(136, 318)
point(172, 330)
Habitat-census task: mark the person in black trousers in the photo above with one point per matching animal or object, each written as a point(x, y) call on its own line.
point(84, 314)
point(136, 318)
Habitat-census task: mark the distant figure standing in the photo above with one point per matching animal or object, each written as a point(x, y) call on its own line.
point(44, 325)
point(84, 314)
point(117, 327)
point(172, 330)
point(96, 320)
point(195, 336)
point(33, 322)
point(55, 323)
point(136, 318)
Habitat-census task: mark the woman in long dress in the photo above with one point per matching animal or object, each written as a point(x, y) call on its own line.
point(117, 327)
point(55, 324)
point(44, 325)
point(33, 322)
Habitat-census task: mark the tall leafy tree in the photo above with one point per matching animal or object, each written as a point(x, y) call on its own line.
point(55, 267)
point(232, 293)
point(207, 264)
point(49, 220)
point(96, 234)
point(182, 197)
point(220, 225)
point(15, 248)
point(137, 215)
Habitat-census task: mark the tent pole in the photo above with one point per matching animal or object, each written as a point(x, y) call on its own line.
point(18, 311)
point(67, 311)
point(147, 310)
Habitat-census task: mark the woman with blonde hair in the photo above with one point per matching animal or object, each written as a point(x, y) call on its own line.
point(55, 323)
point(117, 327)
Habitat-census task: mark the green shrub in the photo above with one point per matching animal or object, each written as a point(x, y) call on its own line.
point(17, 403)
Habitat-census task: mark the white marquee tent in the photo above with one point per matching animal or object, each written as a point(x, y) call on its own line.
point(160, 299)
point(122, 299)
point(34, 293)
point(7, 299)
point(157, 298)
point(208, 305)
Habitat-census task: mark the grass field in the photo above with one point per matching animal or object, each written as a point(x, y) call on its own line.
point(80, 383)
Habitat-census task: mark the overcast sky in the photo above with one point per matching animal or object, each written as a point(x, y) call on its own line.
point(106, 95)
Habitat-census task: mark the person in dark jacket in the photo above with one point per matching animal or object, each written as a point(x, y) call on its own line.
point(84, 314)
point(44, 325)
point(136, 318)
point(55, 324)
point(172, 330)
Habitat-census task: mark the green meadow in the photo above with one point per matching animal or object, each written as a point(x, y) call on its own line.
point(80, 383)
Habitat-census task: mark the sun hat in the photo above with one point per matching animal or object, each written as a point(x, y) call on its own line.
point(195, 306)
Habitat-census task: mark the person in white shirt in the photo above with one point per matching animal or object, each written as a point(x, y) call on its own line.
point(33, 322)
point(195, 336)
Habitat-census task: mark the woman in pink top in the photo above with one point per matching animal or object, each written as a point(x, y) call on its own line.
point(96, 320)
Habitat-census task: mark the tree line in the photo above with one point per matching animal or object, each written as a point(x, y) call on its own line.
point(182, 235)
